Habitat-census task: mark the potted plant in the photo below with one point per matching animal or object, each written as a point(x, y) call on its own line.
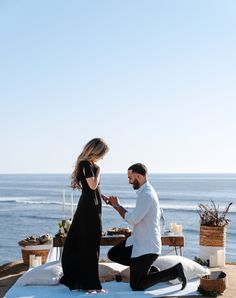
point(213, 223)
point(211, 216)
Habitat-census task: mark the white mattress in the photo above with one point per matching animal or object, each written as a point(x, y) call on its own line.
point(115, 289)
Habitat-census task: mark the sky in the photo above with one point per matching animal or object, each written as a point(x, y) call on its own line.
point(154, 79)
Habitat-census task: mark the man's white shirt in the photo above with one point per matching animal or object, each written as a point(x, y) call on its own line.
point(145, 219)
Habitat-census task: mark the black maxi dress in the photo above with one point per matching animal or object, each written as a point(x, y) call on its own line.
point(81, 249)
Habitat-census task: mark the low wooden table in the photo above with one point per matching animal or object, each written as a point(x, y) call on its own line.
point(177, 242)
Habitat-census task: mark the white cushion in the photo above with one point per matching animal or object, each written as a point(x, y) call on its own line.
point(192, 269)
point(108, 271)
point(50, 273)
point(46, 274)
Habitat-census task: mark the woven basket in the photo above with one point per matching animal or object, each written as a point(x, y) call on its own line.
point(212, 236)
point(41, 253)
point(217, 285)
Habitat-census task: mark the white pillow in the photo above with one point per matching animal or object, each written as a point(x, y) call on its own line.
point(108, 271)
point(50, 274)
point(191, 269)
point(125, 274)
point(46, 274)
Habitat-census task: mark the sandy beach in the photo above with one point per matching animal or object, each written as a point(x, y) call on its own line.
point(10, 272)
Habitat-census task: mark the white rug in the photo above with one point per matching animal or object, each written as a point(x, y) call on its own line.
point(115, 289)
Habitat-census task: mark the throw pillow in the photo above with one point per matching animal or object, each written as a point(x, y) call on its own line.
point(192, 269)
point(46, 274)
point(109, 271)
point(50, 274)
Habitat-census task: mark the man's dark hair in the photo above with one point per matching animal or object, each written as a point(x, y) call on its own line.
point(138, 168)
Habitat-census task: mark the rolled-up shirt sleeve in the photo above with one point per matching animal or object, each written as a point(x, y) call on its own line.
point(137, 214)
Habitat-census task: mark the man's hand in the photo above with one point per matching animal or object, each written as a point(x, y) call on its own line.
point(114, 201)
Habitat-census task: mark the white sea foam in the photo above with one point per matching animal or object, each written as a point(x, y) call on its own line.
point(125, 203)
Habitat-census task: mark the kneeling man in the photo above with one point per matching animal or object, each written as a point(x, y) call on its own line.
point(143, 247)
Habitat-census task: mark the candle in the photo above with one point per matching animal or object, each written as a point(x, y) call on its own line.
point(72, 205)
point(213, 260)
point(220, 255)
point(39, 259)
point(63, 204)
point(178, 229)
point(35, 263)
point(172, 227)
point(31, 257)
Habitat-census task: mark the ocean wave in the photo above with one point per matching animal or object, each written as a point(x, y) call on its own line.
point(22, 216)
point(8, 201)
point(28, 201)
point(196, 195)
point(125, 203)
point(185, 208)
point(12, 199)
point(42, 202)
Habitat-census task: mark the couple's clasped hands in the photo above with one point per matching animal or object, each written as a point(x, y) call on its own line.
point(111, 200)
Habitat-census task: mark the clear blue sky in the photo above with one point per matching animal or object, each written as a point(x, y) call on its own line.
point(155, 79)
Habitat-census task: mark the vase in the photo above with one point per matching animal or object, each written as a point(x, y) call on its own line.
point(212, 242)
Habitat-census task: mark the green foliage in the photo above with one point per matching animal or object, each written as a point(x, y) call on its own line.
point(201, 262)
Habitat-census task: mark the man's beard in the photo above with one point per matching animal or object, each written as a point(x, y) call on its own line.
point(136, 184)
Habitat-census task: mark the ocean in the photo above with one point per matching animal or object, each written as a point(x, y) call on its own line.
point(31, 204)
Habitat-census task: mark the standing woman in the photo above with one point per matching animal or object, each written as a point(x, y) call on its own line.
point(81, 250)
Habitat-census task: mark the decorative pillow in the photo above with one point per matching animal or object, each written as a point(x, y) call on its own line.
point(109, 271)
point(50, 274)
point(191, 269)
point(46, 274)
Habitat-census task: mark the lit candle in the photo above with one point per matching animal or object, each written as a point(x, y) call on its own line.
point(63, 204)
point(72, 205)
point(178, 229)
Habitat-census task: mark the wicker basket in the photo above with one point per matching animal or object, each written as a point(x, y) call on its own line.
point(212, 236)
point(37, 252)
point(208, 284)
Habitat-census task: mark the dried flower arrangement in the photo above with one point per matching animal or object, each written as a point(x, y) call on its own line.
point(211, 215)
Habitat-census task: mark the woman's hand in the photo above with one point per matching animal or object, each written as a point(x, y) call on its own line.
point(97, 170)
point(96, 166)
point(106, 199)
